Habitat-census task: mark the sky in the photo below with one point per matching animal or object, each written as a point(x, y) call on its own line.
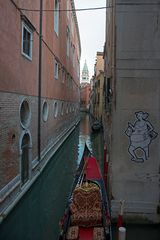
point(92, 31)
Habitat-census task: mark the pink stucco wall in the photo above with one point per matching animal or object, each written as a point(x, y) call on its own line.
point(20, 74)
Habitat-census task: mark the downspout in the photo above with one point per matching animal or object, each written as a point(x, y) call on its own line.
point(40, 80)
point(114, 51)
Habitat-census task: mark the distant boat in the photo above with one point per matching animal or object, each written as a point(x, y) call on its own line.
point(87, 214)
point(96, 125)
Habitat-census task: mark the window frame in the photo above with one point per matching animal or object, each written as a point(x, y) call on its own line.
point(56, 69)
point(27, 28)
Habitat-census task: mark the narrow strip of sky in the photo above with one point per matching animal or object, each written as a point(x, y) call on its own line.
point(92, 30)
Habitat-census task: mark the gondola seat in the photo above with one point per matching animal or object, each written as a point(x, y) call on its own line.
point(86, 207)
point(98, 233)
point(72, 233)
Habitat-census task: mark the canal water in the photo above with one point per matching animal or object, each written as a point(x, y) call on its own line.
point(37, 215)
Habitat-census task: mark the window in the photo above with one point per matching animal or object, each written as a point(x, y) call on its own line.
point(70, 108)
point(27, 37)
point(62, 108)
point(56, 16)
point(108, 90)
point(45, 111)
point(63, 75)
point(71, 52)
point(68, 8)
point(25, 159)
point(68, 41)
point(71, 83)
point(67, 109)
point(25, 114)
point(68, 80)
point(56, 70)
point(72, 24)
point(55, 109)
point(74, 56)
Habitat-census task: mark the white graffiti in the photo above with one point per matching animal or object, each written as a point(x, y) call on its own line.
point(141, 133)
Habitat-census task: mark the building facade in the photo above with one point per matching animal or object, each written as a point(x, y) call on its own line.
point(131, 116)
point(96, 104)
point(85, 97)
point(39, 107)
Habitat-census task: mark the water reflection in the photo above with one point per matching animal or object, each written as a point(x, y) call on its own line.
point(84, 135)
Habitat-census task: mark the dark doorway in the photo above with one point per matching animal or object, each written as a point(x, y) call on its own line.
point(25, 159)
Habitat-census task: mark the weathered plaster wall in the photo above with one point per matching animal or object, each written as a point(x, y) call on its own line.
point(136, 179)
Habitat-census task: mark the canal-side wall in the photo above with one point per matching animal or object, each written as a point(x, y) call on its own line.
point(39, 105)
point(53, 134)
point(134, 130)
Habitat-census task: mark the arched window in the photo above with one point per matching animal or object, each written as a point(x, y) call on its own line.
point(55, 109)
point(45, 111)
point(25, 145)
point(67, 109)
point(70, 108)
point(62, 108)
point(25, 113)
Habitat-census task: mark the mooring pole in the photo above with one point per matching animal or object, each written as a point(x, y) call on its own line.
point(105, 166)
point(122, 233)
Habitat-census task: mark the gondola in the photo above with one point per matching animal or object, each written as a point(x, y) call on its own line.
point(87, 215)
point(96, 126)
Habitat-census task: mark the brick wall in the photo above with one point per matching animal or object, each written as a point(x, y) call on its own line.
point(11, 130)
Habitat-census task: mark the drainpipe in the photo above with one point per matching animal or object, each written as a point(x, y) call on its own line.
point(39, 80)
point(114, 50)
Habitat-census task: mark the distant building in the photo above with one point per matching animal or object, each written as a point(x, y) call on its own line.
point(85, 89)
point(85, 97)
point(97, 82)
point(132, 108)
point(35, 116)
point(85, 74)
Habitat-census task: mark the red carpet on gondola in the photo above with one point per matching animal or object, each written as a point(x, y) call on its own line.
point(92, 170)
point(85, 233)
point(92, 173)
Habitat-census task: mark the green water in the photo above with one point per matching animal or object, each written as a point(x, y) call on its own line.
point(37, 215)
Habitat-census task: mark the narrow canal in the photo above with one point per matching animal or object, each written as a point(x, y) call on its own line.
point(37, 215)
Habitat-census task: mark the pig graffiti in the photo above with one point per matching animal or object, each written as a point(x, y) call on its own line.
point(141, 134)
